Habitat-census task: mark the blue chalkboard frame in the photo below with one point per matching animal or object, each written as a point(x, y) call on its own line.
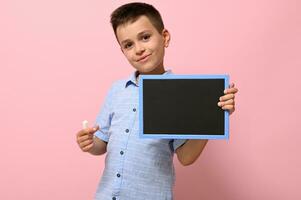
point(184, 135)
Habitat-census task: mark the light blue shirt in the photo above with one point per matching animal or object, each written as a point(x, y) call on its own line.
point(135, 168)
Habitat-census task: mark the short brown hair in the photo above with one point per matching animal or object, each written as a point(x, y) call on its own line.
point(132, 11)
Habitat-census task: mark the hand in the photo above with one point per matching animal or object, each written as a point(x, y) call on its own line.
point(85, 139)
point(227, 101)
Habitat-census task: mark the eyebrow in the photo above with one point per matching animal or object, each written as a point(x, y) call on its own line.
point(138, 35)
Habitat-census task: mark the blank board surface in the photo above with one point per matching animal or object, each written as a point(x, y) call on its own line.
point(182, 106)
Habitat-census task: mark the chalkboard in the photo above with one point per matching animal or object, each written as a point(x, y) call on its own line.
point(182, 107)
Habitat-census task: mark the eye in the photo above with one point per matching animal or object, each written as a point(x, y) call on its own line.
point(128, 45)
point(145, 37)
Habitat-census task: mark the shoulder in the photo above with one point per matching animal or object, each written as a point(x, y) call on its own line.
point(118, 85)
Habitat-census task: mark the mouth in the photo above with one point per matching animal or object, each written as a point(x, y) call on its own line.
point(144, 58)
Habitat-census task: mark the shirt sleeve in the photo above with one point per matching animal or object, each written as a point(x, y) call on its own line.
point(177, 143)
point(104, 118)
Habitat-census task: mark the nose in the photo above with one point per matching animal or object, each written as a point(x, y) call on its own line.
point(139, 49)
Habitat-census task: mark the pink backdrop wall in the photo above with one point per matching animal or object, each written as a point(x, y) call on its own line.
point(59, 57)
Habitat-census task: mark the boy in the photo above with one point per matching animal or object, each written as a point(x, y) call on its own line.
point(138, 168)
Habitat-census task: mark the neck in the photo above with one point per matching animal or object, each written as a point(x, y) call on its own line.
point(138, 73)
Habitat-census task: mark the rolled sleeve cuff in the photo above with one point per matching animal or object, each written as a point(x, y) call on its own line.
point(177, 143)
point(101, 136)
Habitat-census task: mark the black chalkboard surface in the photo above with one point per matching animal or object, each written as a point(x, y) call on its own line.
point(182, 106)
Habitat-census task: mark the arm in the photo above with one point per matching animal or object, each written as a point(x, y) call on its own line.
point(190, 151)
point(99, 147)
point(88, 143)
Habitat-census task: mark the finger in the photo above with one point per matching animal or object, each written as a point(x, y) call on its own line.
point(87, 148)
point(84, 137)
point(85, 143)
point(228, 107)
point(228, 102)
point(91, 130)
point(232, 110)
point(231, 85)
point(94, 129)
point(81, 133)
point(227, 97)
point(84, 132)
point(231, 90)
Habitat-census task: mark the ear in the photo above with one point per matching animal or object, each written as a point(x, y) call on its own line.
point(166, 37)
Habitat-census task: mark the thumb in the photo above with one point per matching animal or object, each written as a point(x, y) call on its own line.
point(95, 128)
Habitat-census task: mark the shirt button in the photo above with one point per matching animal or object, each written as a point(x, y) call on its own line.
point(134, 109)
point(121, 152)
point(118, 175)
point(127, 130)
point(114, 198)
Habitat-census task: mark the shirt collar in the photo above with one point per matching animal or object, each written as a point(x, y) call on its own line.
point(132, 78)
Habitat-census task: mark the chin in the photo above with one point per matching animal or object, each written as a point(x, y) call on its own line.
point(145, 69)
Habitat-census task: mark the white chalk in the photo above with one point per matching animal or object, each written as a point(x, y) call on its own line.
point(85, 124)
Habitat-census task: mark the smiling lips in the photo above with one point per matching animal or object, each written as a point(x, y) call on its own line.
point(143, 58)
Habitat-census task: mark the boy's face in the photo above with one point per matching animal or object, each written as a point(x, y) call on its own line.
point(143, 45)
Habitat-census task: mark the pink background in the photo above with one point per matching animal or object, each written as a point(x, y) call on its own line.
point(58, 59)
